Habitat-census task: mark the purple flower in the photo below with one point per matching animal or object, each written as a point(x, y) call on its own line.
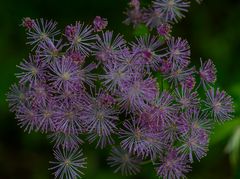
point(172, 10)
point(152, 17)
point(146, 49)
point(99, 23)
point(162, 109)
point(40, 93)
point(107, 47)
point(178, 74)
point(64, 74)
point(196, 121)
point(27, 116)
point(195, 143)
point(69, 119)
point(207, 72)
point(220, 104)
point(186, 98)
point(86, 76)
point(42, 31)
point(32, 70)
point(114, 76)
point(50, 49)
point(173, 165)
point(17, 95)
point(100, 122)
point(80, 38)
point(68, 163)
point(124, 162)
point(132, 137)
point(179, 52)
point(47, 116)
point(137, 92)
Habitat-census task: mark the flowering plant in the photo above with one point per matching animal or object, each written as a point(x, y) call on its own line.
point(141, 98)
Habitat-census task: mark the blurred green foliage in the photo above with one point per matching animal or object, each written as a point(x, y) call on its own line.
point(212, 29)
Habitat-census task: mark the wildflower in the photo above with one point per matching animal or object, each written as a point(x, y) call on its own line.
point(220, 104)
point(132, 137)
point(172, 10)
point(179, 52)
point(32, 71)
point(47, 116)
point(50, 50)
point(152, 17)
point(207, 72)
point(107, 47)
point(136, 93)
point(27, 116)
point(186, 98)
point(100, 122)
point(196, 143)
point(68, 163)
point(69, 120)
point(146, 48)
point(80, 38)
point(64, 74)
point(124, 162)
point(173, 165)
point(17, 95)
point(42, 30)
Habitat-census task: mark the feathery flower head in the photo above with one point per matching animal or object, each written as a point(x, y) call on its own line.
point(17, 95)
point(173, 165)
point(64, 74)
point(107, 47)
point(80, 37)
point(207, 72)
point(136, 92)
point(172, 10)
point(32, 70)
point(123, 161)
point(179, 52)
point(42, 30)
point(220, 104)
point(68, 163)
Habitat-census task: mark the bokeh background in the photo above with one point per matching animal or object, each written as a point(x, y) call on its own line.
point(212, 29)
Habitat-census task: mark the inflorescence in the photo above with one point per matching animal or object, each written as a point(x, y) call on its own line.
point(141, 98)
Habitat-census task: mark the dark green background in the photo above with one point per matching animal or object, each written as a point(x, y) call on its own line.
point(212, 29)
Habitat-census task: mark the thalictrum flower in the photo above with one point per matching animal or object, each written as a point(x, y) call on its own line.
point(68, 164)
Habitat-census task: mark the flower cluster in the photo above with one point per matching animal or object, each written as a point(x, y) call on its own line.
point(141, 97)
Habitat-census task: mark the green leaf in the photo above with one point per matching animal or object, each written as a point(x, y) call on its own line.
point(221, 132)
point(141, 30)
